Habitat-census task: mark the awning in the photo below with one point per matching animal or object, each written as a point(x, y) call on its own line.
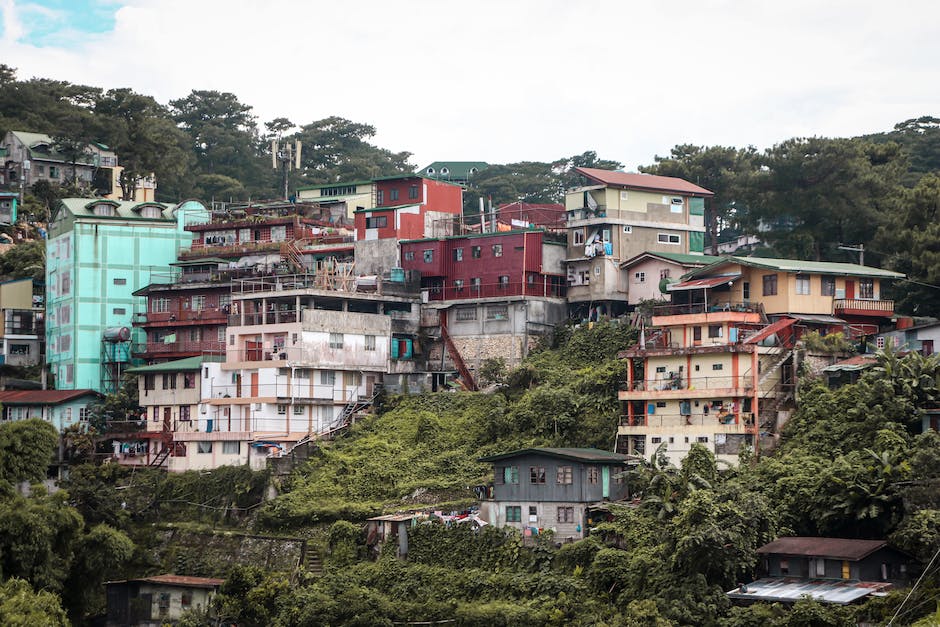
point(703, 284)
point(817, 318)
point(770, 329)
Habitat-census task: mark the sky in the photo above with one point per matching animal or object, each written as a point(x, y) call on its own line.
point(510, 80)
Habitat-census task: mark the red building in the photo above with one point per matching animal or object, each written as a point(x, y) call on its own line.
point(410, 207)
point(488, 265)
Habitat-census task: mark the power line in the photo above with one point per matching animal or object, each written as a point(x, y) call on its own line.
point(917, 583)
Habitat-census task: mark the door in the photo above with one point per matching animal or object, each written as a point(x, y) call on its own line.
point(254, 384)
point(849, 289)
point(167, 420)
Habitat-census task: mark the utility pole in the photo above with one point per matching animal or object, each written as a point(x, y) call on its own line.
point(288, 158)
point(860, 249)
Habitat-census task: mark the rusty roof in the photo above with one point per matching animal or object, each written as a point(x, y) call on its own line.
point(644, 181)
point(836, 548)
point(177, 580)
point(42, 397)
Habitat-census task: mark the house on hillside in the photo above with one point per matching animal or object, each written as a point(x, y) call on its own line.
point(459, 172)
point(648, 274)
point(829, 570)
point(616, 216)
point(22, 322)
point(62, 408)
point(158, 600)
point(552, 488)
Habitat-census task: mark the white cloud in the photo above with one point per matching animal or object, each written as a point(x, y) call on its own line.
point(527, 79)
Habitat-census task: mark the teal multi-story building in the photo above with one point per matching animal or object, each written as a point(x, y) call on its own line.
point(100, 252)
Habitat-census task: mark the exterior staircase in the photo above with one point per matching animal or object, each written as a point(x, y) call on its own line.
point(356, 406)
point(312, 562)
point(455, 356)
point(160, 459)
point(290, 252)
point(781, 356)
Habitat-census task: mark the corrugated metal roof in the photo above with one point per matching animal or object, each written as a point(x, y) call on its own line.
point(43, 397)
point(835, 548)
point(698, 284)
point(859, 362)
point(644, 181)
point(124, 209)
point(680, 258)
point(797, 265)
point(177, 580)
point(791, 589)
point(178, 365)
point(586, 455)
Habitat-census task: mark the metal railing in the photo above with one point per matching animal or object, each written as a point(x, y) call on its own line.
point(711, 307)
point(861, 304)
point(204, 347)
point(690, 384)
point(697, 419)
point(212, 315)
point(299, 389)
point(497, 290)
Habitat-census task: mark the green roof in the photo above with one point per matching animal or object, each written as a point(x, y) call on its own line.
point(179, 365)
point(680, 258)
point(796, 265)
point(32, 139)
point(586, 455)
point(459, 170)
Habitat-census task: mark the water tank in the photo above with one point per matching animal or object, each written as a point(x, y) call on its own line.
point(117, 334)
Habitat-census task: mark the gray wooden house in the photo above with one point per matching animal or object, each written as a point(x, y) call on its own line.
point(552, 488)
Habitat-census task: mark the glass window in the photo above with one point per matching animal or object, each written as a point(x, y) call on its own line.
point(378, 222)
point(169, 381)
point(565, 514)
point(497, 250)
point(336, 340)
point(458, 254)
point(409, 255)
point(393, 194)
point(327, 377)
point(802, 284)
point(475, 252)
point(413, 192)
point(184, 413)
point(429, 256)
point(282, 410)
point(770, 284)
point(592, 475)
point(828, 286)
point(231, 448)
point(203, 447)
point(189, 380)
point(564, 475)
point(370, 343)
point(714, 330)
point(669, 238)
point(866, 288)
point(513, 513)
point(536, 474)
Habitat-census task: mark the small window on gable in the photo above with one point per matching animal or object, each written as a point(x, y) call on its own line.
point(151, 211)
point(104, 209)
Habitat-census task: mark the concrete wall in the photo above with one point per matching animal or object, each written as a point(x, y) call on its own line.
point(376, 256)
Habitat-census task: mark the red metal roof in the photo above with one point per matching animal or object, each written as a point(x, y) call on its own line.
point(644, 181)
point(178, 580)
point(836, 548)
point(697, 284)
point(42, 397)
point(770, 329)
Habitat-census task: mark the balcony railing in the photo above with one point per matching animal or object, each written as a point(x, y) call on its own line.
point(690, 384)
point(302, 390)
point(183, 316)
point(699, 308)
point(849, 305)
point(204, 347)
point(497, 290)
point(698, 419)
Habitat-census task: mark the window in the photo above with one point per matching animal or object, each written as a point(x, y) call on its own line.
point(497, 312)
point(714, 330)
point(718, 367)
point(189, 380)
point(770, 284)
point(513, 513)
point(458, 254)
point(593, 475)
point(656, 439)
point(410, 255)
point(475, 252)
point(511, 475)
point(231, 340)
point(53, 172)
point(702, 439)
point(66, 287)
point(565, 514)
point(83, 413)
point(195, 334)
point(298, 410)
point(120, 281)
point(624, 194)
point(746, 291)
point(327, 377)
point(664, 274)
point(503, 282)
point(784, 567)
point(19, 349)
point(879, 342)
point(198, 302)
point(184, 413)
point(336, 340)
point(160, 305)
point(866, 288)
point(660, 368)
point(828, 286)
point(119, 311)
point(563, 475)
point(220, 335)
point(458, 285)
point(696, 334)
point(282, 410)
point(476, 283)
point(627, 228)
point(413, 192)
point(393, 194)
point(429, 256)
point(149, 382)
point(668, 238)
point(675, 205)
point(497, 250)
point(533, 513)
point(536, 474)
point(231, 448)
point(370, 343)
point(169, 381)
point(577, 237)
point(802, 284)
point(151, 212)
point(379, 197)
point(101, 209)
point(203, 447)
point(466, 313)
point(378, 222)
point(639, 277)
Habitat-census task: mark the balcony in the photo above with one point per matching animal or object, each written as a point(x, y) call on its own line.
point(728, 423)
point(185, 317)
point(157, 349)
point(497, 290)
point(862, 307)
point(685, 387)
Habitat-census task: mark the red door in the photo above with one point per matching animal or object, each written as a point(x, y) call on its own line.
point(167, 420)
point(849, 290)
point(254, 384)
